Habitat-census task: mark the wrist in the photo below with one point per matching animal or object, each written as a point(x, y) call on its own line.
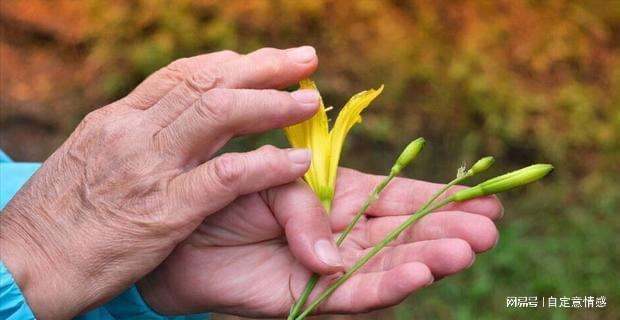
point(48, 286)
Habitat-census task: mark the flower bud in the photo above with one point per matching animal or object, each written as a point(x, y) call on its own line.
point(411, 151)
point(505, 182)
point(481, 165)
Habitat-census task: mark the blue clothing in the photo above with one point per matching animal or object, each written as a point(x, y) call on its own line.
point(13, 305)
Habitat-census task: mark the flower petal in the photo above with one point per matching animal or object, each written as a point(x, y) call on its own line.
point(313, 134)
point(347, 118)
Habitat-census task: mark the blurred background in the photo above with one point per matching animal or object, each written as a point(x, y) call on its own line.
point(525, 81)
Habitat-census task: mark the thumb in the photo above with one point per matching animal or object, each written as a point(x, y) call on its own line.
point(214, 184)
point(306, 226)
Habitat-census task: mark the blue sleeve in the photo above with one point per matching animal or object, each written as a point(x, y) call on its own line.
point(13, 306)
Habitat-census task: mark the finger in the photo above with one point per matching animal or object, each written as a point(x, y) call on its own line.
point(443, 256)
point(401, 196)
point(479, 231)
point(306, 226)
point(368, 291)
point(261, 69)
point(223, 113)
point(269, 68)
point(157, 85)
point(214, 184)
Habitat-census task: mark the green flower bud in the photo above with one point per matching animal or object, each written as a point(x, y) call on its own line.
point(481, 165)
point(505, 182)
point(411, 151)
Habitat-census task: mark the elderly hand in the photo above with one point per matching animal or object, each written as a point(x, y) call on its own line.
point(137, 176)
point(238, 262)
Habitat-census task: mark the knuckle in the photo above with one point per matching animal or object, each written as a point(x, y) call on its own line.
point(178, 68)
point(179, 65)
point(215, 105)
point(274, 66)
point(271, 159)
point(204, 79)
point(280, 100)
point(92, 118)
point(229, 54)
point(272, 60)
point(269, 149)
point(111, 132)
point(268, 51)
point(228, 169)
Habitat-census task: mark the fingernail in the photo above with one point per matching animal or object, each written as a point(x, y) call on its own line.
point(303, 54)
point(306, 98)
point(328, 253)
point(430, 281)
point(300, 156)
point(496, 241)
point(473, 259)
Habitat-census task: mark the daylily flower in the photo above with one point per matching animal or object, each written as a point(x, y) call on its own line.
point(326, 145)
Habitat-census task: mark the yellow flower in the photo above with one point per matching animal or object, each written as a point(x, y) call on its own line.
point(326, 145)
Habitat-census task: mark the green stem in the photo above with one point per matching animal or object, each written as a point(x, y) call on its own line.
point(445, 188)
point(387, 240)
point(296, 308)
point(374, 196)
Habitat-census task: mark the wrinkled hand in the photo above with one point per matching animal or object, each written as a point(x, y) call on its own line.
point(136, 177)
point(239, 262)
